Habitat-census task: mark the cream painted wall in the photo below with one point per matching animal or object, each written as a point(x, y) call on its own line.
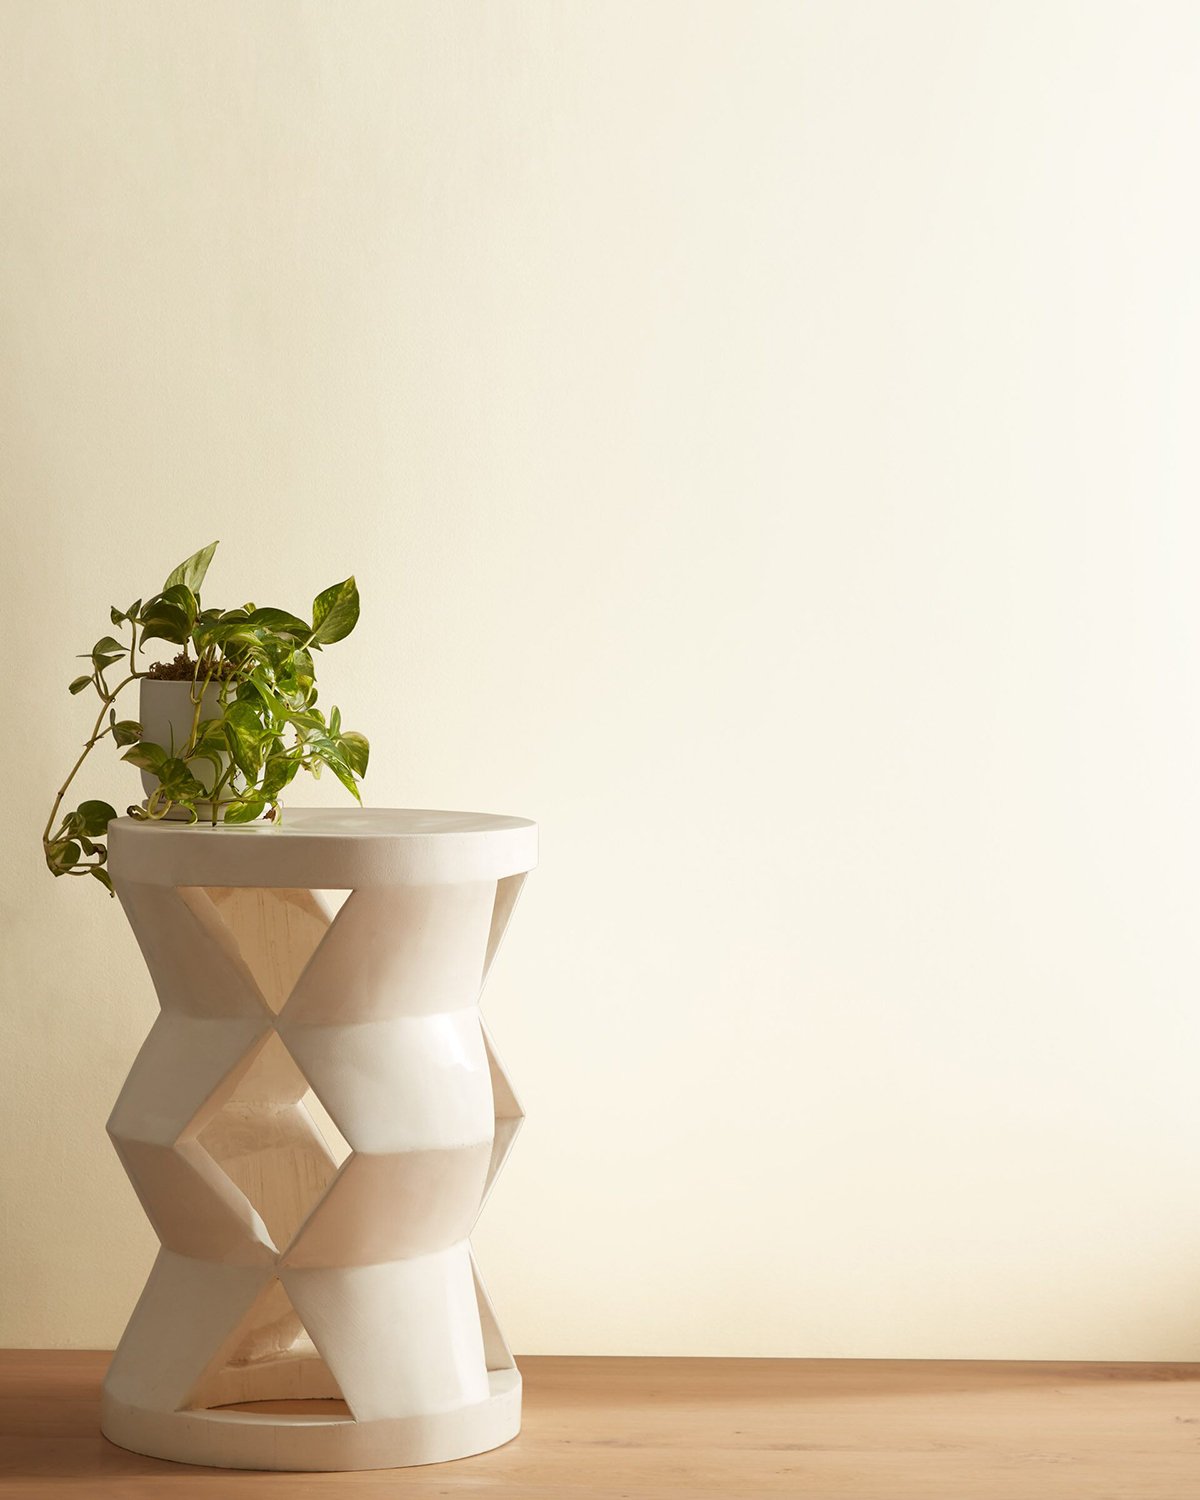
point(765, 436)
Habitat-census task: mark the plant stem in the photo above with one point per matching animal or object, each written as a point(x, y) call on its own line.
point(198, 701)
point(216, 790)
point(96, 735)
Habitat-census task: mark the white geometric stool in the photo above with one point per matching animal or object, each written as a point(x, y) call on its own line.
point(312, 1127)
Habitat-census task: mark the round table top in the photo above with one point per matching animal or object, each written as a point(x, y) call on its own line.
point(325, 848)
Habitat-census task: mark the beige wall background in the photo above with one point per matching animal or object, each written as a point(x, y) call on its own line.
point(765, 438)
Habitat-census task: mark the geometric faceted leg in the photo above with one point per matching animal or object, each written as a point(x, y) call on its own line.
point(317, 1257)
point(439, 1363)
point(186, 1307)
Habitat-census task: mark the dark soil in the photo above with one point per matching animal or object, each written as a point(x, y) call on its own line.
point(183, 669)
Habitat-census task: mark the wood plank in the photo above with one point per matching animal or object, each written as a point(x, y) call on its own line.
point(651, 1429)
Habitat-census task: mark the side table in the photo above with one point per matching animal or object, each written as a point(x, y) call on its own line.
point(312, 1126)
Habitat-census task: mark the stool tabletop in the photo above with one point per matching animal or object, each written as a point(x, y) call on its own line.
point(325, 848)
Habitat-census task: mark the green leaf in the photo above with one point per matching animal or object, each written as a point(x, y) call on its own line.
point(103, 877)
point(281, 622)
point(308, 719)
point(244, 734)
point(115, 615)
point(343, 773)
point(191, 573)
point(96, 816)
point(66, 854)
point(356, 751)
point(182, 597)
point(211, 746)
point(279, 772)
point(301, 668)
point(258, 687)
point(335, 613)
point(237, 639)
point(210, 737)
point(80, 683)
point(246, 811)
point(106, 651)
point(126, 731)
point(147, 755)
point(177, 782)
point(211, 632)
point(164, 621)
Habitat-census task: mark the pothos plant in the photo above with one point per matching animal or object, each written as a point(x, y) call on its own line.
point(254, 721)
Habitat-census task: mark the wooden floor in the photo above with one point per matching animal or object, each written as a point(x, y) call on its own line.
point(640, 1429)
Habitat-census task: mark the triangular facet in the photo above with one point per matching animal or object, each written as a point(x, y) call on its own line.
point(495, 1346)
point(507, 891)
point(339, 1146)
point(185, 1062)
point(509, 1115)
point(192, 957)
point(194, 1207)
point(332, 901)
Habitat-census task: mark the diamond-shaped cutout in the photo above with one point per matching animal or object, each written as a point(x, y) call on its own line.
point(269, 1356)
point(267, 1143)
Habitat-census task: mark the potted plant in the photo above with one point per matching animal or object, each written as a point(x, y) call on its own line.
point(222, 728)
